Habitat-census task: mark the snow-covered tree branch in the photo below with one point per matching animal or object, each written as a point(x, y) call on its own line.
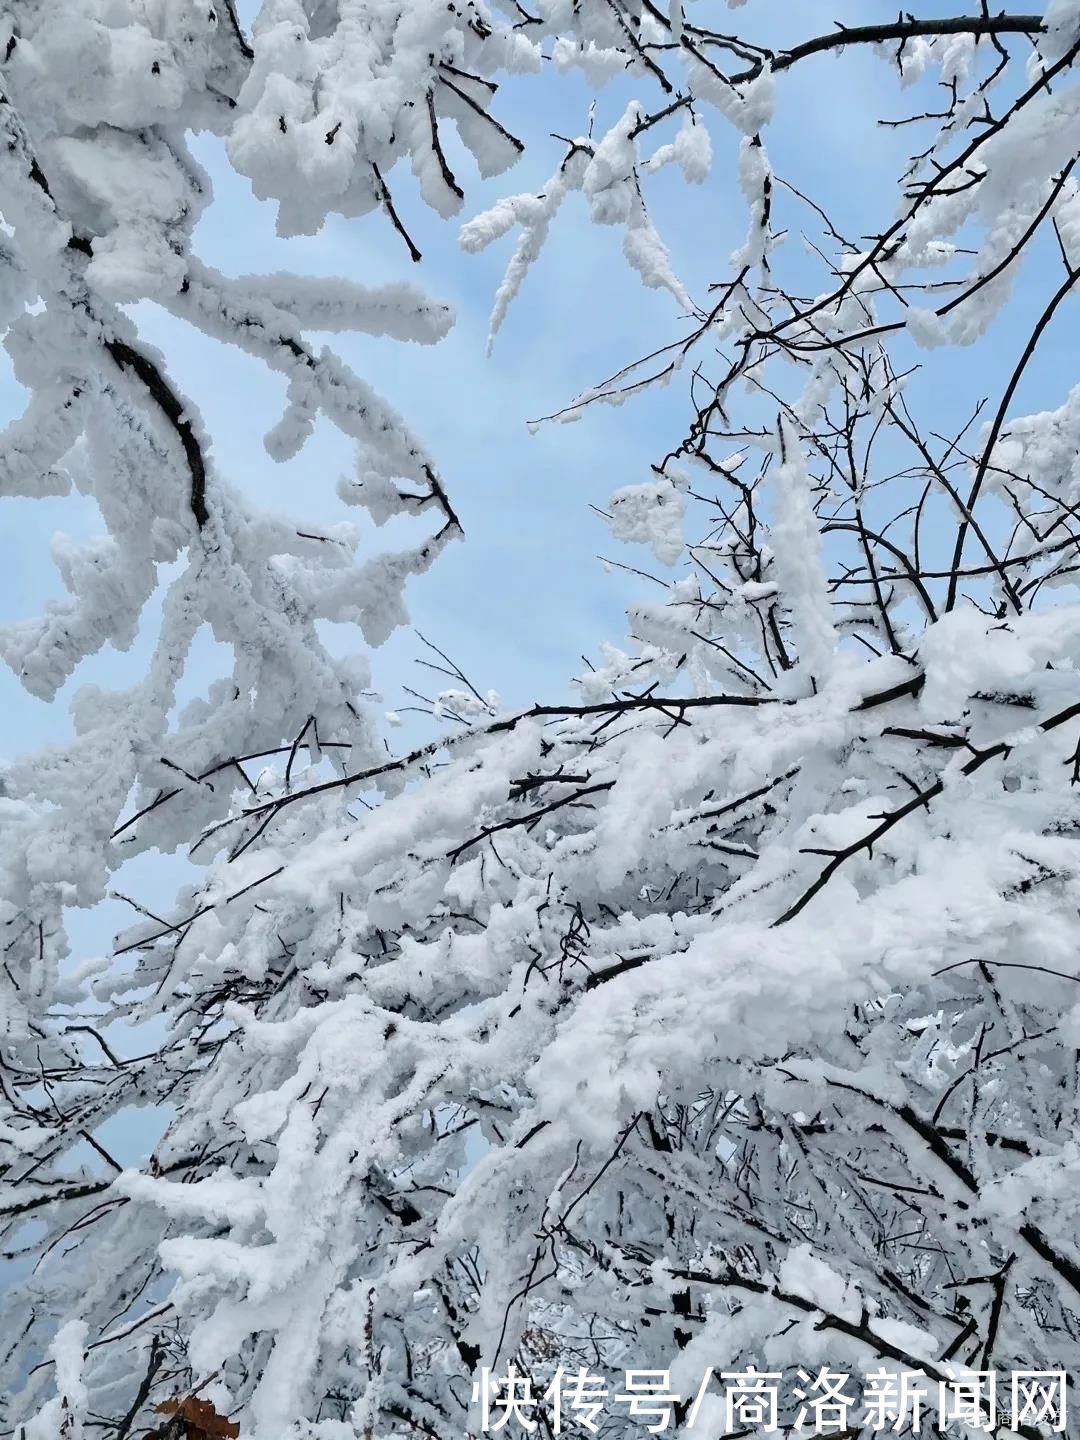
point(722, 1014)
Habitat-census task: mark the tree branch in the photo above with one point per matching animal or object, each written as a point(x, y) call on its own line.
point(909, 29)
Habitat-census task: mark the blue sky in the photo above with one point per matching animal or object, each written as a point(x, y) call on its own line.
point(524, 596)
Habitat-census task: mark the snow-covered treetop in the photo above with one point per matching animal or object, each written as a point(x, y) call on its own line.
point(729, 1008)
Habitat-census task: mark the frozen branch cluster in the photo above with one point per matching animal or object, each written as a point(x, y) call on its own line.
point(100, 198)
point(727, 1013)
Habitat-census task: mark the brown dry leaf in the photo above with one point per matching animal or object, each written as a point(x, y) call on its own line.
point(201, 1419)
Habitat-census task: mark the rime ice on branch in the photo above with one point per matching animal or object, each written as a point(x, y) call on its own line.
point(728, 1008)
